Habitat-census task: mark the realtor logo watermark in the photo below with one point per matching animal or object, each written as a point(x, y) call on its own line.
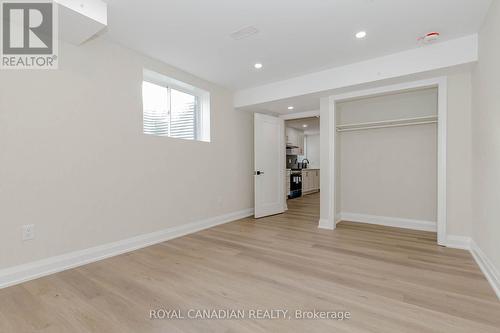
point(29, 37)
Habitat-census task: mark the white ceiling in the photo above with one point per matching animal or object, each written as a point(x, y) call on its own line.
point(311, 122)
point(295, 37)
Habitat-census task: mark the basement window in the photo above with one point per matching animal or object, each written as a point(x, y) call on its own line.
point(174, 109)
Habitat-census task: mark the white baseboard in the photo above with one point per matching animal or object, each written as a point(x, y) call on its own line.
point(485, 264)
point(22, 273)
point(458, 242)
point(487, 267)
point(390, 221)
point(325, 224)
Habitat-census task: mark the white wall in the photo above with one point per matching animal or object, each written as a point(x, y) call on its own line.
point(74, 161)
point(458, 161)
point(486, 140)
point(390, 172)
point(312, 151)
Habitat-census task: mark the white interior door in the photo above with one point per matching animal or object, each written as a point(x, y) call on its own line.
point(269, 145)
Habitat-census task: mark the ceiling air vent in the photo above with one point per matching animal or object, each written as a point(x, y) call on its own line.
point(244, 33)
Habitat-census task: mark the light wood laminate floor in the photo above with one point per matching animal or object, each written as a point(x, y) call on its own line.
point(391, 280)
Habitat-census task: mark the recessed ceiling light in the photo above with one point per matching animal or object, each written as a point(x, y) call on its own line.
point(291, 107)
point(258, 65)
point(305, 125)
point(361, 35)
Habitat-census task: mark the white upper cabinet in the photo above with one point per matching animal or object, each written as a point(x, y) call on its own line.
point(295, 138)
point(291, 136)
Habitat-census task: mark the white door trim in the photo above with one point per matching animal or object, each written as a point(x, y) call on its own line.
point(442, 84)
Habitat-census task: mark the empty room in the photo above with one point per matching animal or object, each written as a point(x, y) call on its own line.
point(249, 166)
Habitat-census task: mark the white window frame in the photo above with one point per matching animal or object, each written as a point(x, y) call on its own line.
point(202, 112)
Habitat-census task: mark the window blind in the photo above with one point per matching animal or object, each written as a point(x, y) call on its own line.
point(169, 112)
point(183, 113)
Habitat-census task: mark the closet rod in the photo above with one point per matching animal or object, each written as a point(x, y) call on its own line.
point(388, 123)
point(386, 126)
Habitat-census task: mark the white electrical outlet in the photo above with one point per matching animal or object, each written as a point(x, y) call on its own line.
point(28, 232)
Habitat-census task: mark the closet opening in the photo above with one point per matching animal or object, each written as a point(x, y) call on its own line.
point(387, 149)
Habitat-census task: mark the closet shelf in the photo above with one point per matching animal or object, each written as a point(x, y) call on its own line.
point(387, 124)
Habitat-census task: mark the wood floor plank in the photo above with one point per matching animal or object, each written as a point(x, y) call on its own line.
point(391, 280)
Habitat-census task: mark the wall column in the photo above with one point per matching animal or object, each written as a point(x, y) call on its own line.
point(327, 163)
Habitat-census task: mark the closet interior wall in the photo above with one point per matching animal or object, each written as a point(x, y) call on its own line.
point(391, 171)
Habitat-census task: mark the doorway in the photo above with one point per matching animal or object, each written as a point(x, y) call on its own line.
point(287, 160)
point(302, 156)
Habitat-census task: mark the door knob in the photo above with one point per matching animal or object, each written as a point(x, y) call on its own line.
point(258, 173)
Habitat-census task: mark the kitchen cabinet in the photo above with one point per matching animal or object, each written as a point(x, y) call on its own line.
point(300, 143)
point(290, 136)
point(310, 180)
point(295, 138)
point(316, 180)
point(306, 180)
